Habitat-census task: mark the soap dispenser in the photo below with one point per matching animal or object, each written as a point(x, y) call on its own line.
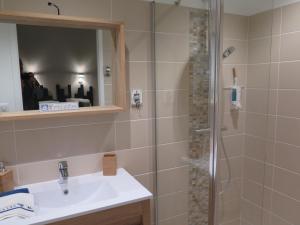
point(6, 178)
point(235, 93)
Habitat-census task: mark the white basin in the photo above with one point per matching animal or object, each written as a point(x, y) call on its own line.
point(87, 194)
point(81, 190)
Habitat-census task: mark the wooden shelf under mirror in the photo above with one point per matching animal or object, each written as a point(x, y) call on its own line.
point(117, 59)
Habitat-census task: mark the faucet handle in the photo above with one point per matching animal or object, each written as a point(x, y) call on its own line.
point(2, 167)
point(63, 165)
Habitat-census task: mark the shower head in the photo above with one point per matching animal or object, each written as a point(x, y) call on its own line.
point(228, 52)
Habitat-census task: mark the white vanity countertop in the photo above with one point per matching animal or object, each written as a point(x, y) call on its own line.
point(87, 194)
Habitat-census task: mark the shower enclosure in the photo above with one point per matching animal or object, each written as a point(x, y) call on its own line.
point(187, 59)
point(224, 150)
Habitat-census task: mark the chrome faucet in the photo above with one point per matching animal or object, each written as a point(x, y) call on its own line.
point(63, 171)
point(63, 176)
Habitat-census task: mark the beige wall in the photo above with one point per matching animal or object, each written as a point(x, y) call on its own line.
point(172, 39)
point(272, 178)
point(33, 148)
point(235, 34)
point(270, 174)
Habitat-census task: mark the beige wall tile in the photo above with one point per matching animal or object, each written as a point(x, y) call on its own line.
point(260, 25)
point(289, 75)
point(172, 103)
point(257, 101)
point(275, 49)
point(258, 172)
point(45, 144)
point(8, 151)
point(272, 219)
point(258, 76)
point(172, 48)
point(172, 19)
point(260, 125)
point(286, 208)
point(259, 50)
point(172, 129)
point(88, 8)
point(147, 180)
point(138, 46)
point(172, 155)
point(239, 56)
point(171, 76)
point(251, 213)
point(259, 149)
point(234, 145)
point(290, 18)
point(287, 156)
point(288, 130)
point(230, 211)
point(173, 180)
point(136, 161)
point(140, 75)
point(135, 14)
point(177, 220)
point(172, 205)
point(6, 126)
point(235, 166)
point(254, 193)
point(235, 27)
point(287, 103)
point(134, 134)
point(287, 183)
point(290, 47)
point(230, 191)
point(234, 123)
point(84, 164)
point(38, 172)
point(235, 222)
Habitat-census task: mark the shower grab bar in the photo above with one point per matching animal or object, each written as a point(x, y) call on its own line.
point(207, 130)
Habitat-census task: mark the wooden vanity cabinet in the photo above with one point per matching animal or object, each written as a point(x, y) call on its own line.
point(132, 214)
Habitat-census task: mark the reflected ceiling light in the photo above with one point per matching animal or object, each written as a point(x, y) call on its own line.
point(80, 69)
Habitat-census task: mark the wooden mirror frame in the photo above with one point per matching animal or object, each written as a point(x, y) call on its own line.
point(82, 23)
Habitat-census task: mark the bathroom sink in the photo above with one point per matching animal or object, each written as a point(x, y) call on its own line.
point(80, 191)
point(86, 194)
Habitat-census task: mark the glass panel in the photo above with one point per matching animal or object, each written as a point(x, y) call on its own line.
point(246, 142)
point(182, 100)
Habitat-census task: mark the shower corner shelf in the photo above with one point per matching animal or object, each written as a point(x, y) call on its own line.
point(229, 88)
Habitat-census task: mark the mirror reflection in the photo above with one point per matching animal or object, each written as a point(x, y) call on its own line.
point(41, 65)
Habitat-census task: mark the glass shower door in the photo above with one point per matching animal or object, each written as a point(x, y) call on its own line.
point(185, 55)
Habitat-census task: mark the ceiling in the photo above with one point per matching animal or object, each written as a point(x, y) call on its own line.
point(251, 7)
point(240, 7)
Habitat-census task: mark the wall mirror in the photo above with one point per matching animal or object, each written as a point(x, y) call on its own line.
point(57, 65)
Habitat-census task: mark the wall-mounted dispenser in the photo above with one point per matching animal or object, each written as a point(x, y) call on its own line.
point(236, 92)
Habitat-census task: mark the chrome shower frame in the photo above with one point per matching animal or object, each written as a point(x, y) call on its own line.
point(215, 54)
